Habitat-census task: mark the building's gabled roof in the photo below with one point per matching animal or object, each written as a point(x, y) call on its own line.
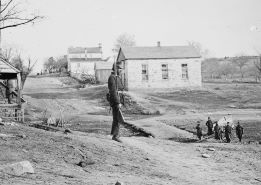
point(6, 67)
point(103, 65)
point(78, 50)
point(160, 52)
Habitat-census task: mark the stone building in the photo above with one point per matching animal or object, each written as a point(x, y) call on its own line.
point(160, 67)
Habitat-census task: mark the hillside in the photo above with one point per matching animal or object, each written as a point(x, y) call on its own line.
point(91, 157)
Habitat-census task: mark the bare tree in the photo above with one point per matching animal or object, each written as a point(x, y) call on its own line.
point(6, 54)
point(12, 15)
point(257, 64)
point(240, 61)
point(25, 69)
point(50, 64)
point(203, 52)
point(210, 68)
point(61, 63)
point(124, 40)
point(225, 69)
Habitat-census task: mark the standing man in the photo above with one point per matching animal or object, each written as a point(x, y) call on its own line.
point(210, 126)
point(199, 131)
point(228, 131)
point(239, 131)
point(114, 85)
point(217, 131)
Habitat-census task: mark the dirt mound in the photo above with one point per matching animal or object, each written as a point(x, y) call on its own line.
point(131, 106)
point(74, 159)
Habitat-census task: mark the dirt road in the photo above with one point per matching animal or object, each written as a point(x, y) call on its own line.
point(139, 160)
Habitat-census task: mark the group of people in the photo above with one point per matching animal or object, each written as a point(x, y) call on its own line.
point(219, 130)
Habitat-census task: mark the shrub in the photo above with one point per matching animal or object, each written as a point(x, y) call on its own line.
point(88, 79)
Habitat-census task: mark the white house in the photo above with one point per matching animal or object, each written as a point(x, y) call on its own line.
point(81, 60)
point(160, 67)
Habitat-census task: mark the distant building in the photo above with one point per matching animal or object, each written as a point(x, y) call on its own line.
point(81, 60)
point(103, 71)
point(160, 67)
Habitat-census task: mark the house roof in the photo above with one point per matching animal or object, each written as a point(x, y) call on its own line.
point(6, 67)
point(77, 50)
point(85, 59)
point(160, 52)
point(103, 65)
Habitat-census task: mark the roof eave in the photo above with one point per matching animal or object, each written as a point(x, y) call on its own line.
point(11, 66)
point(160, 58)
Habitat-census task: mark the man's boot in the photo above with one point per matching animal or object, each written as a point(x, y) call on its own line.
point(116, 138)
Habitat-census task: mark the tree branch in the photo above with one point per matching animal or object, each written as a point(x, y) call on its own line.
point(12, 17)
point(9, 16)
point(18, 24)
point(12, 11)
point(15, 18)
point(6, 6)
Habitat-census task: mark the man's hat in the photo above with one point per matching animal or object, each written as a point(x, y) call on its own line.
point(117, 66)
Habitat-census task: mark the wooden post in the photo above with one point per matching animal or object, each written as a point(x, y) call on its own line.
point(20, 115)
point(0, 27)
point(19, 90)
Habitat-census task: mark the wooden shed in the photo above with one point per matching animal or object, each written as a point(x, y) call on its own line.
point(103, 71)
point(10, 92)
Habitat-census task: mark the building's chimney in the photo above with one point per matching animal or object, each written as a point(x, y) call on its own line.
point(100, 47)
point(158, 43)
point(85, 53)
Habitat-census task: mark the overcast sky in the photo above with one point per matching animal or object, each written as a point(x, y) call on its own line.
point(225, 27)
